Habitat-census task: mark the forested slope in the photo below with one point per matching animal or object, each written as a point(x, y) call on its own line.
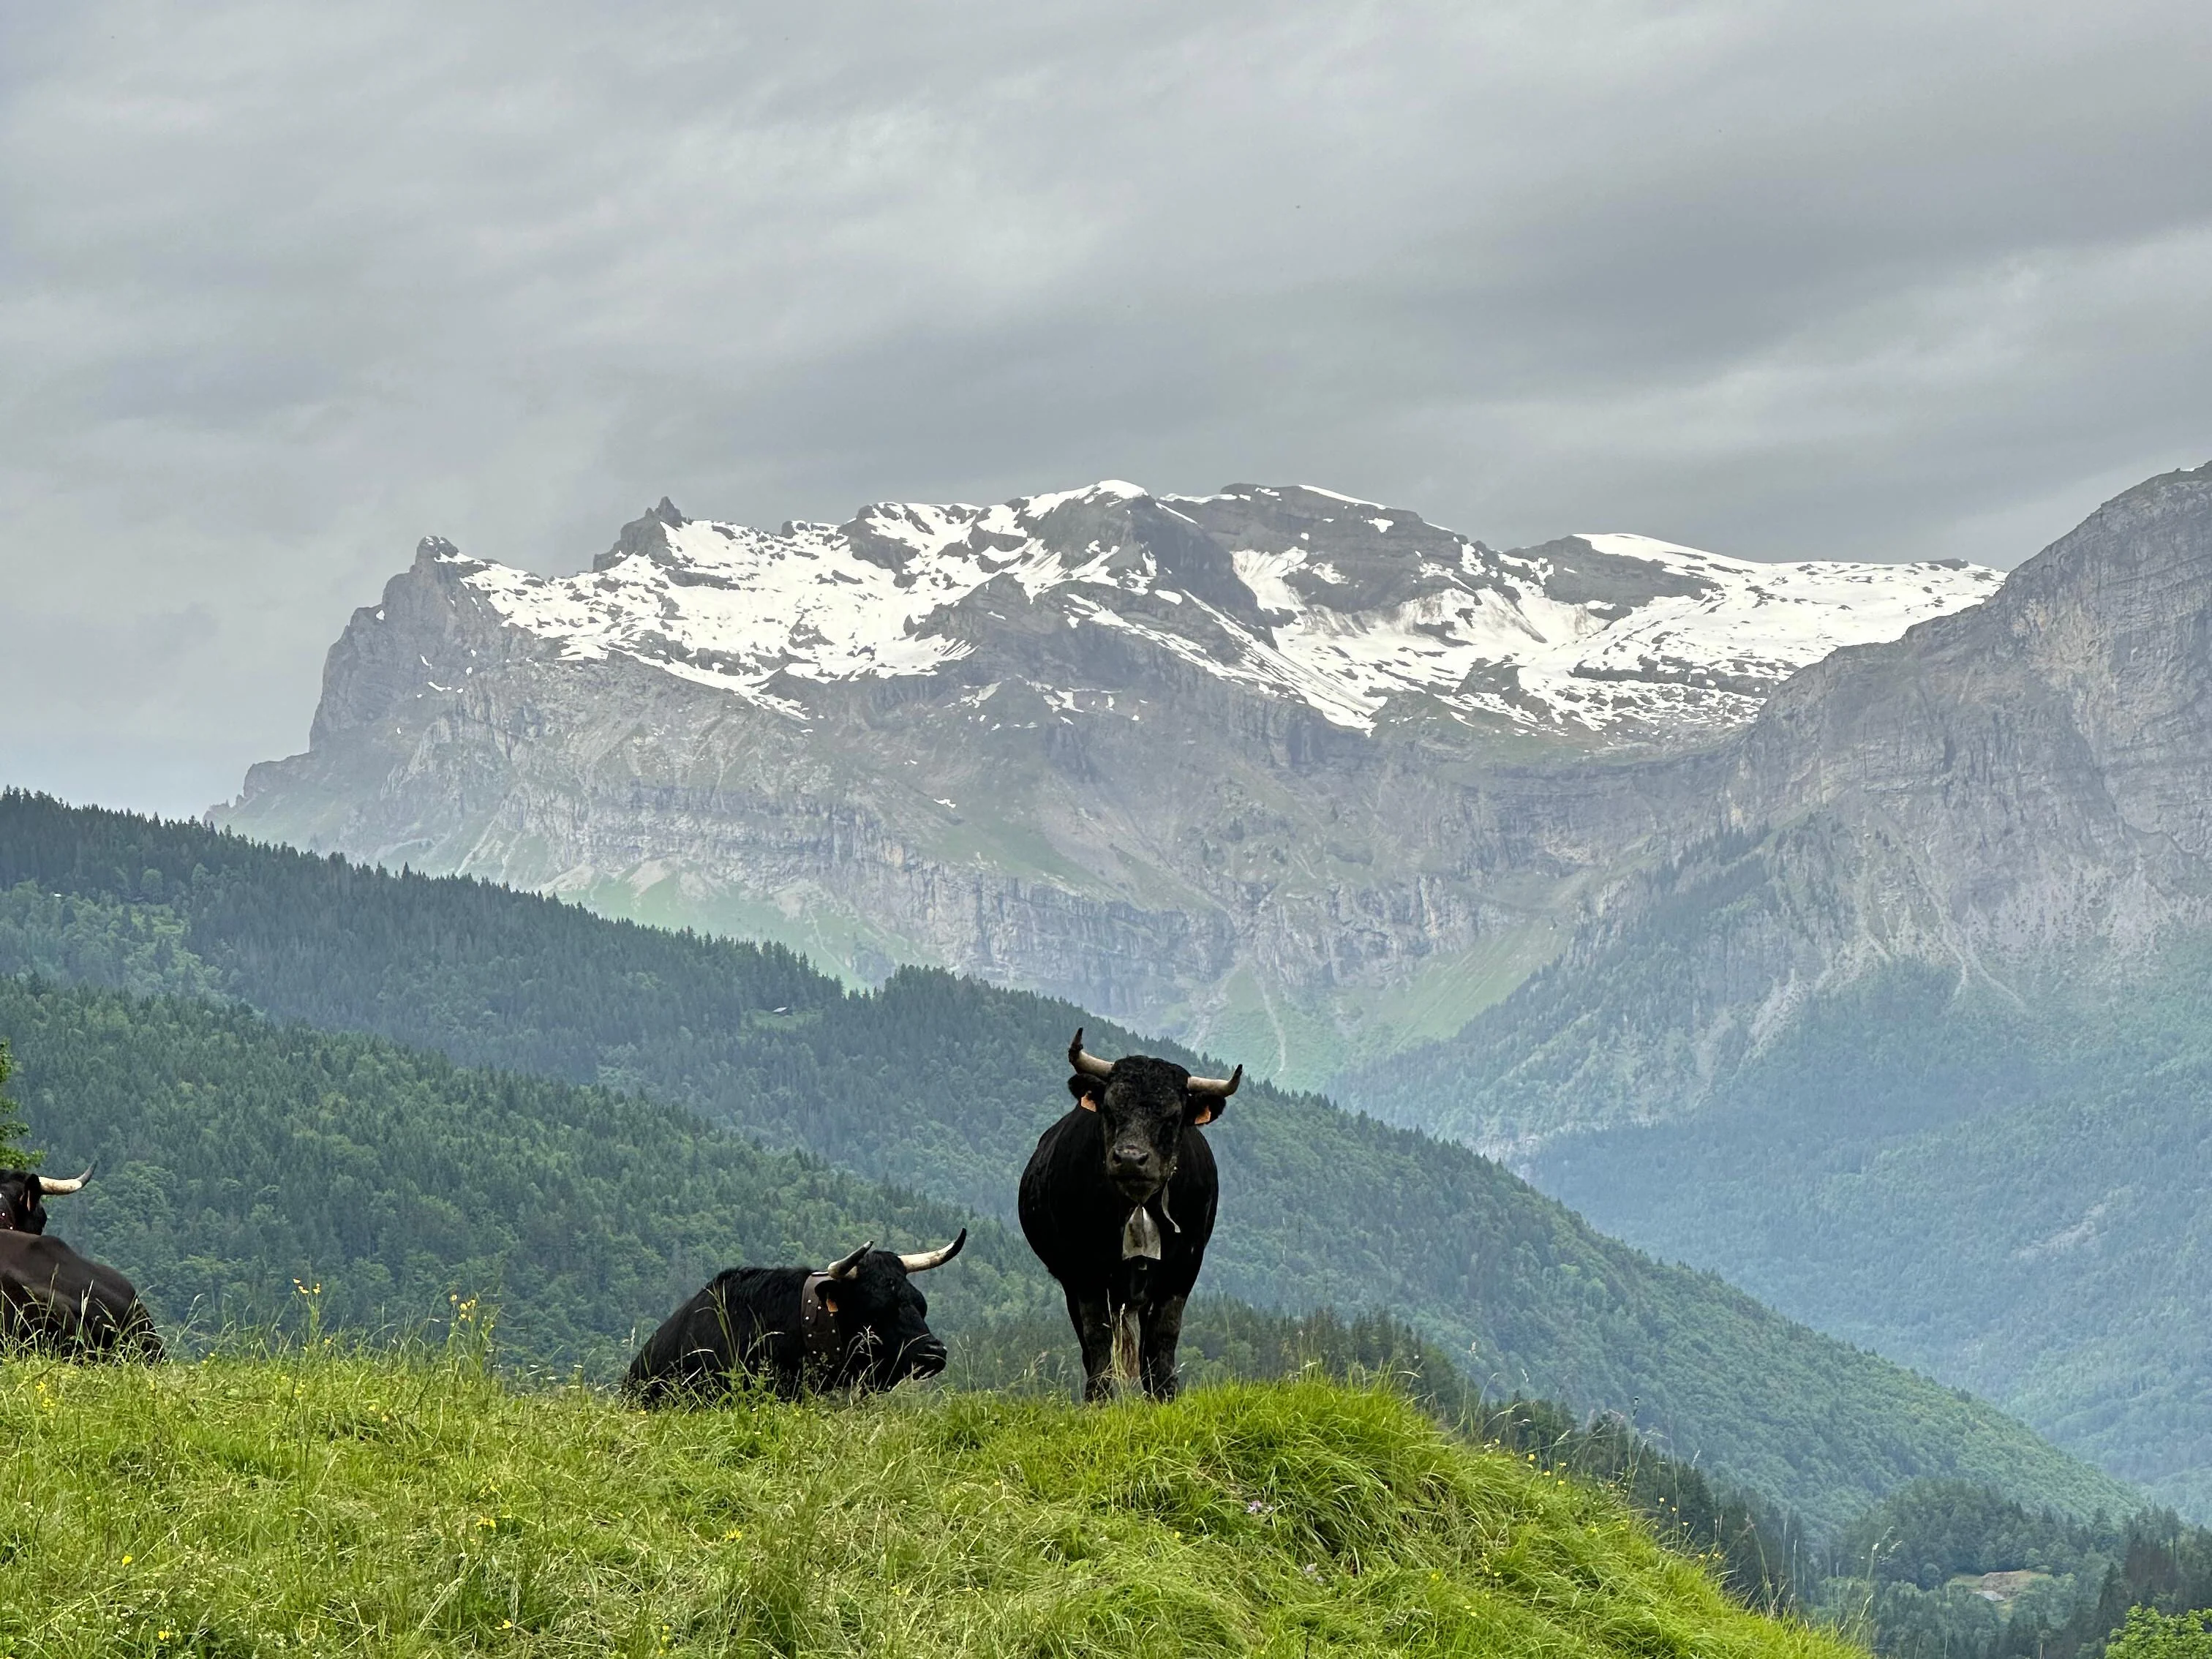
point(944, 1084)
point(1995, 1173)
point(238, 1157)
point(2006, 1188)
point(1911, 1574)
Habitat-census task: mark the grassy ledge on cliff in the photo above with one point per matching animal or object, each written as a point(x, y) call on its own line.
point(320, 1502)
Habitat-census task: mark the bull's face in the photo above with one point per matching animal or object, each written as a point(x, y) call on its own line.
point(1144, 1105)
point(883, 1317)
point(23, 1198)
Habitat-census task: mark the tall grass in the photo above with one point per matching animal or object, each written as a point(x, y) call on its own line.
point(316, 1499)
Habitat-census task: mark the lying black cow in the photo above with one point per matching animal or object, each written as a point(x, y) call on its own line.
point(51, 1298)
point(1118, 1203)
point(859, 1323)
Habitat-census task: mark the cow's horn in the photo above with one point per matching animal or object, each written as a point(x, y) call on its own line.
point(1089, 1064)
point(1222, 1086)
point(922, 1260)
point(53, 1188)
point(843, 1265)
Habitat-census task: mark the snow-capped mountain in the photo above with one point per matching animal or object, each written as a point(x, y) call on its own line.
point(1303, 594)
point(1287, 773)
point(1906, 1032)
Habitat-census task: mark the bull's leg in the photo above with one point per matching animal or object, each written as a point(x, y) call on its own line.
point(1094, 1333)
point(1162, 1331)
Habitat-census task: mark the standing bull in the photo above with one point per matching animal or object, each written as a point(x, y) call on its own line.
point(52, 1298)
point(1118, 1203)
point(858, 1323)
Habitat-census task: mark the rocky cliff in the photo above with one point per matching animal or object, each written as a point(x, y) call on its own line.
point(2019, 789)
point(1271, 769)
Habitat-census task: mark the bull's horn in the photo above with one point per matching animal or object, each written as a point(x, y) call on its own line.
point(1089, 1064)
point(843, 1265)
point(1222, 1086)
point(53, 1188)
point(922, 1260)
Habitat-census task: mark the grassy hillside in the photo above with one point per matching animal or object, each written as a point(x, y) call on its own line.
point(943, 1085)
point(381, 1507)
point(294, 1178)
point(1764, 1556)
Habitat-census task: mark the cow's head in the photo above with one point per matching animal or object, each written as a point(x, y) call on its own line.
point(23, 1196)
point(1144, 1105)
point(882, 1318)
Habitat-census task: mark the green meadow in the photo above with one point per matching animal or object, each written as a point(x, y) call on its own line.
point(316, 1500)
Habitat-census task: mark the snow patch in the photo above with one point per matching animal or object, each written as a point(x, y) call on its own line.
point(1120, 489)
point(1479, 635)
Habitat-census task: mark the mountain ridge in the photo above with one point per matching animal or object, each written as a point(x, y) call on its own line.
point(1261, 768)
point(1912, 1037)
point(2034, 775)
point(1532, 637)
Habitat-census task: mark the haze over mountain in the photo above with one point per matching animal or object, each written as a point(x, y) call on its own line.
point(1913, 1033)
point(1272, 769)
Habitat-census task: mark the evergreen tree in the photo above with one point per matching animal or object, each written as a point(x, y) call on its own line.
point(2148, 1635)
point(13, 1153)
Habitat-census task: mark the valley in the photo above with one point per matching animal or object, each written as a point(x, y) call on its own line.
point(1908, 1035)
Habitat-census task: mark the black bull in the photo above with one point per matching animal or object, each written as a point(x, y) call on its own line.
point(1118, 1203)
point(51, 1298)
point(858, 1323)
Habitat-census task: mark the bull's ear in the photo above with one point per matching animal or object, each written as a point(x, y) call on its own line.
point(1086, 1090)
point(1204, 1109)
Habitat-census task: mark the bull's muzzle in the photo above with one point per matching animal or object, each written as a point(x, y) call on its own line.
point(1135, 1174)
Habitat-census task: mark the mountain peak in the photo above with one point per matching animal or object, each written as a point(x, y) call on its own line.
point(1107, 489)
point(1176, 752)
point(1297, 594)
point(647, 533)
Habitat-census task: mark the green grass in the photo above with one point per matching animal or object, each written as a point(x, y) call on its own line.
point(327, 1502)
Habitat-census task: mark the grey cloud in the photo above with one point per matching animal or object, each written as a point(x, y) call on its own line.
point(282, 290)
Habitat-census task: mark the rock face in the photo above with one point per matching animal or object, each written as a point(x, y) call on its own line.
point(2017, 788)
point(2037, 767)
point(1912, 1036)
point(1272, 769)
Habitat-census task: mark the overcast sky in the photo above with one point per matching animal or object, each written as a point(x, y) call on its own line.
point(283, 289)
